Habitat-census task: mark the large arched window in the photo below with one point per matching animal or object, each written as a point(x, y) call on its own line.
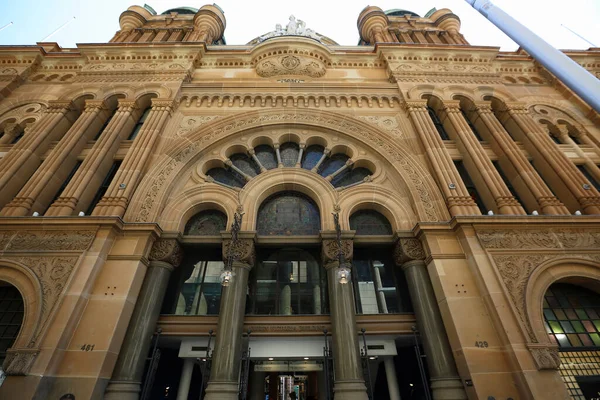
point(11, 316)
point(206, 223)
point(288, 213)
point(288, 281)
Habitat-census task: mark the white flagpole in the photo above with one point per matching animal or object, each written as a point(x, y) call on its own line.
point(58, 29)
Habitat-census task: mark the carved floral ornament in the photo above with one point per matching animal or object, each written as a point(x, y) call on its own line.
point(408, 250)
point(290, 65)
point(244, 252)
point(330, 253)
point(168, 251)
point(52, 274)
point(516, 268)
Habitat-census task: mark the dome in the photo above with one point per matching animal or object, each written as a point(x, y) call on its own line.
point(181, 10)
point(397, 12)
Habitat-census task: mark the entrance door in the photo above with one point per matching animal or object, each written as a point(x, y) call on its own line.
point(287, 379)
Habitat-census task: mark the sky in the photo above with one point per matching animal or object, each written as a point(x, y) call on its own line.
point(97, 21)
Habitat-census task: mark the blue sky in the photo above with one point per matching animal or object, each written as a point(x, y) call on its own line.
point(97, 21)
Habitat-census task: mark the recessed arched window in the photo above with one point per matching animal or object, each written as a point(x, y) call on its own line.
point(289, 154)
point(266, 155)
point(206, 223)
point(288, 213)
point(572, 316)
point(245, 164)
point(11, 316)
point(312, 155)
point(370, 222)
point(332, 164)
point(438, 124)
point(226, 177)
point(139, 124)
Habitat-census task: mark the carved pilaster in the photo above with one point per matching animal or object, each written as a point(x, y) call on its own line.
point(330, 252)
point(167, 250)
point(408, 250)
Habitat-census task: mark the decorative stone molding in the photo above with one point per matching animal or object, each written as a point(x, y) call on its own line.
point(529, 239)
point(189, 124)
point(244, 252)
point(408, 250)
point(31, 110)
point(389, 124)
point(290, 65)
point(167, 250)
point(545, 357)
point(46, 240)
point(19, 361)
point(163, 173)
point(330, 249)
point(290, 56)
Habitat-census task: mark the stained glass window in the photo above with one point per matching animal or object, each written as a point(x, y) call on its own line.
point(572, 316)
point(206, 223)
point(370, 222)
point(332, 164)
point(288, 281)
point(350, 176)
point(288, 213)
point(266, 155)
point(312, 155)
point(245, 164)
point(227, 177)
point(289, 154)
point(11, 317)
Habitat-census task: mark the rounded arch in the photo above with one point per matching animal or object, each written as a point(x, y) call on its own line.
point(196, 199)
point(81, 92)
point(419, 91)
point(279, 180)
point(288, 213)
point(158, 91)
point(563, 270)
point(156, 190)
point(483, 92)
point(30, 289)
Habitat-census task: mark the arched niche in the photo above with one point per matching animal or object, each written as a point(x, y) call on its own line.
point(288, 213)
point(163, 183)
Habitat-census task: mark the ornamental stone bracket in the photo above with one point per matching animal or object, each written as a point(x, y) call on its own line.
point(168, 251)
point(244, 252)
point(408, 250)
point(517, 254)
point(330, 251)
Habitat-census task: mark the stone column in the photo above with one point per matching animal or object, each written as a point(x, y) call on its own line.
point(25, 156)
point(128, 176)
point(349, 382)
point(546, 152)
point(96, 165)
point(390, 374)
point(505, 145)
point(62, 158)
point(224, 374)
point(458, 200)
point(445, 381)
point(125, 384)
point(471, 147)
point(186, 379)
point(11, 131)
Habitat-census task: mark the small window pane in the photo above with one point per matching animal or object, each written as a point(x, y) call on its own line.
point(549, 315)
point(566, 325)
point(556, 328)
point(560, 314)
point(578, 326)
point(266, 155)
point(312, 155)
point(289, 154)
point(246, 164)
point(562, 340)
point(332, 164)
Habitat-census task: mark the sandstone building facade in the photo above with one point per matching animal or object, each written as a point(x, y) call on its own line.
point(178, 215)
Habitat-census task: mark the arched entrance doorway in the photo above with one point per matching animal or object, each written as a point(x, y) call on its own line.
point(572, 321)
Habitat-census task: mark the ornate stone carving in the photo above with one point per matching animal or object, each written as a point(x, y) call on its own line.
point(188, 124)
point(244, 252)
point(457, 69)
point(389, 124)
point(290, 65)
point(415, 175)
point(545, 357)
point(46, 240)
point(19, 361)
point(554, 239)
point(329, 251)
point(408, 250)
point(167, 250)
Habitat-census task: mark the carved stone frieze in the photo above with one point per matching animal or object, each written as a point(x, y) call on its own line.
point(545, 357)
point(444, 68)
point(24, 112)
point(19, 361)
point(408, 250)
point(330, 251)
point(189, 124)
point(290, 64)
point(46, 240)
point(167, 250)
point(136, 66)
point(553, 239)
point(389, 124)
point(243, 252)
point(338, 122)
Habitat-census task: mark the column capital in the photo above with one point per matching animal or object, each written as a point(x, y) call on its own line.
point(564, 130)
point(451, 106)
point(415, 105)
point(516, 106)
point(483, 106)
point(91, 105)
point(11, 128)
point(127, 105)
point(244, 252)
point(408, 249)
point(60, 106)
point(167, 250)
point(164, 104)
point(330, 251)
